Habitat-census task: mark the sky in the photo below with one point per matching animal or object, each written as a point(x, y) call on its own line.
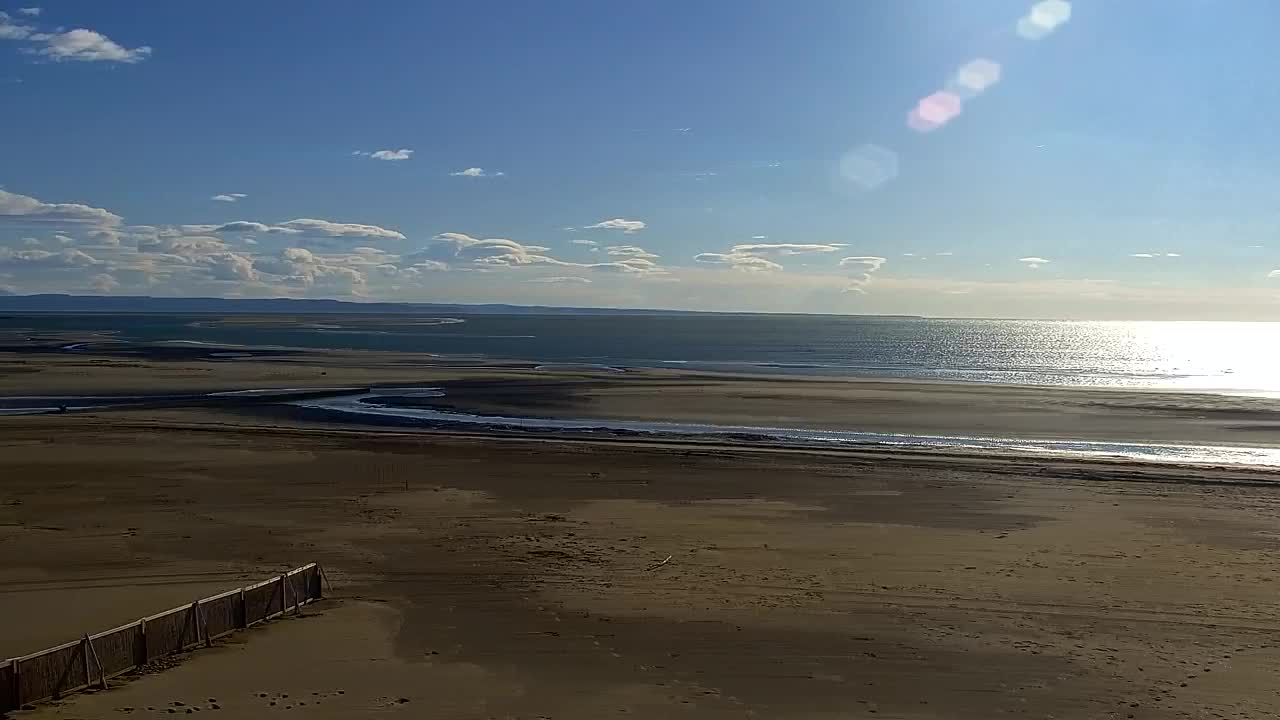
point(1088, 159)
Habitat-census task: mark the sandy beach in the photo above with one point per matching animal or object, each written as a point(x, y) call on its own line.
point(488, 577)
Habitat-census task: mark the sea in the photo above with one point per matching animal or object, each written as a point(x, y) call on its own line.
point(1226, 357)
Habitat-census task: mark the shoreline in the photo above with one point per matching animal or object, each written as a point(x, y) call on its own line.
point(344, 409)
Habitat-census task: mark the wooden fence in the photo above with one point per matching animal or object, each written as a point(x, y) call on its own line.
point(94, 659)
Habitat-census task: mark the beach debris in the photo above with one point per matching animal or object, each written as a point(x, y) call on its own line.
point(655, 566)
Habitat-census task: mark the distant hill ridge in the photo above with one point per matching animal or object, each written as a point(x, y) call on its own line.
point(54, 303)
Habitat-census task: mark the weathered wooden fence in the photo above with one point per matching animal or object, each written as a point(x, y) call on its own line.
point(94, 659)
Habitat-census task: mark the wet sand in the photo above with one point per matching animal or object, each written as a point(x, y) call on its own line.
point(472, 386)
point(485, 577)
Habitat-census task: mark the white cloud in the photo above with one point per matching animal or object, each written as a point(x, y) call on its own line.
point(861, 268)
point(469, 253)
point(871, 262)
point(588, 243)
point(311, 226)
point(230, 266)
point(390, 155)
point(103, 283)
point(245, 226)
point(89, 46)
point(475, 172)
point(753, 257)
point(69, 258)
point(626, 226)
point(229, 197)
point(10, 30)
point(190, 246)
point(944, 254)
point(173, 231)
point(562, 280)
point(1173, 254)
point(630, 251)
point(30, 11)
point(743, 263)
point(783, 249)
point(759, 237)
point(104, 236)
point(629, 266)
point(1143, 255)
point(1274, 274)
point(304, 268)
point(457, 248)
point(1033, 262)
point(23, 209)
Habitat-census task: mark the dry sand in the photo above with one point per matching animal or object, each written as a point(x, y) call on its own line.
point(480, 578)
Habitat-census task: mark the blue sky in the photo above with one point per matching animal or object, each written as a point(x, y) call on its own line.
point(1108, 160)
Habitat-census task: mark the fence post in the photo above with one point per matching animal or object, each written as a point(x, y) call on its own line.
point(17, 683)
point(84, 653)
point(141, 652)
point(204, 624)
point(91, 650)
point(283, 589)
point(244, 612)
point(195, 624)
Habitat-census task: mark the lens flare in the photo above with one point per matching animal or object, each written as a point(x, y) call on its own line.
point(978, 75)
point(934, 111)
point(869, 166)
point(1044, 18)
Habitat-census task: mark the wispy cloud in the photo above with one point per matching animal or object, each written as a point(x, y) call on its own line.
point(11, 30)
point(626, 226)
point(739, 262)
point(754, 257)
point(332, 229)
point(389, 155)
point(31, 11)
point(475, 172)
point(244, 226)
point(1155, 255)
point(460, 250)
point(562, 280)
point(229, 197)
point(1034, 262)
point(784, 248)
point(630, 251)
point(69, 258)
point(582, 241)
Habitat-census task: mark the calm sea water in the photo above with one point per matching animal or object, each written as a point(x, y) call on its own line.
point(1219, 356)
